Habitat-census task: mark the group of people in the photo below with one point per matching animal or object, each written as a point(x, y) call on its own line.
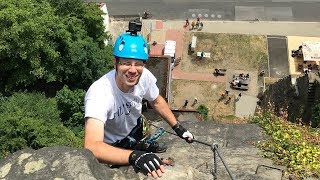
point(310, 68)
point(114, 125)
point(195, 24)
point(195, 101)
point(146, 14)
point(237, 81)
point(297, 53)
point(242, 76)
point(226, 95)
point(306, 68)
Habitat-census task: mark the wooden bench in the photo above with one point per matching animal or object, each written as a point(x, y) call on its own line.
point(193, 43)
point(219, 72)
point(242, 87)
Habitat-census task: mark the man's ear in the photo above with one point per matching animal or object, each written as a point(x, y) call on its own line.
point(115, 63)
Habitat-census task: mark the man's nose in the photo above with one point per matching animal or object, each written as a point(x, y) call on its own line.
point(133, 68)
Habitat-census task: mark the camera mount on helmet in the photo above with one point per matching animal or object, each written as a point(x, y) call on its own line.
point(134, 27)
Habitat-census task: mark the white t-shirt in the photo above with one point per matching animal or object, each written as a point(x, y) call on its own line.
point(118, 111)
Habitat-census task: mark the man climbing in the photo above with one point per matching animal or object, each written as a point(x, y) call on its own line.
point(113, 121)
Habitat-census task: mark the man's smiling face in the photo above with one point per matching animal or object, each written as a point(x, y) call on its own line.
point(128, 73)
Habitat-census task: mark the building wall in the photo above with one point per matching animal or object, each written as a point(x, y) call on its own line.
point(106, 19)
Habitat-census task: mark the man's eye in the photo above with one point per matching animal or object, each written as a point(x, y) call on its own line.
point(127, 63)
point(130, 64)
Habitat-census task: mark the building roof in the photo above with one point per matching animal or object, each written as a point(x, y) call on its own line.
point(311, 51)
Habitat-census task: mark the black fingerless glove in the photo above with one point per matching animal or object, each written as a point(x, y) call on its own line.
point(146, 162)
point(182, 132)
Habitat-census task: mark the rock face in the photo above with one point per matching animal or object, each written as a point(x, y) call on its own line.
point(53, 163)
point(192, 161)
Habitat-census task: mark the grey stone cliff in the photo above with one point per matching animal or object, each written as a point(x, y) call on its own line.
point(192, 161)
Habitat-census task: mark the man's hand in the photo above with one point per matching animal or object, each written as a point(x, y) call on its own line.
point(183, 133)
point(148, 163)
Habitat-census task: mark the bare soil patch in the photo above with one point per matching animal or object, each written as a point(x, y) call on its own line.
point(229, 51)
point(234, 52)
point(208, 94)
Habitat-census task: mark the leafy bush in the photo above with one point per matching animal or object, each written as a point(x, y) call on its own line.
point(32, 120)
point(203, 110)
point(315, 121)
point(292, 145)
point(71, 105)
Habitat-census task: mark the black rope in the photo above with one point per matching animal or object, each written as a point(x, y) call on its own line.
point(194, 140)
point(214, 148)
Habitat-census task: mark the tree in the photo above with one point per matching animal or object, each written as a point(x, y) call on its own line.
point(88, 13)
point(70, 103)
point(32, 121)
point(43, 47)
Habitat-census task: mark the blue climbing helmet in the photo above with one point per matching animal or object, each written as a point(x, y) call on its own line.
point(131, 46)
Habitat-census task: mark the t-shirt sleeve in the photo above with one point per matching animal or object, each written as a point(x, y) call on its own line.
point(96, 104)
point(152, 90)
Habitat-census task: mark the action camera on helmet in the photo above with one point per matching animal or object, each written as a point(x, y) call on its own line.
point(134, 26)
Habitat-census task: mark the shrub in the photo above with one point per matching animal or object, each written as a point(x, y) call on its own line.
point(203, 110)
point(71, 105)
point(32, 120)
point(294, 146)
point(315, 121)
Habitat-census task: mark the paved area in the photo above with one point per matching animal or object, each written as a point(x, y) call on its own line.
point(220, 10)
point(278, 56)
point(311, 29)
point(246, 106)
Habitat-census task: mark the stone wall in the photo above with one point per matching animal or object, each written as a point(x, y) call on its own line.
point(278, 96)
point(298, 106)
point(317, 94)
point(159, 66)
point(288, 100)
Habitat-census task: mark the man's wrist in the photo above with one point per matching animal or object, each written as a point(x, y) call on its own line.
point(176, 126)
point(134, 155)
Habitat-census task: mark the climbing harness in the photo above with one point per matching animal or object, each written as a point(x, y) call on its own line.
point(159, 132)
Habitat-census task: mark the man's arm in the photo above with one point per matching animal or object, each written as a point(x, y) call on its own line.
point(149, 163)
point(161, 106)
point(93, 140)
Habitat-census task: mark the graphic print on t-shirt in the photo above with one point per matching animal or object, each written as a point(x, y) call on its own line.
point(125, 107)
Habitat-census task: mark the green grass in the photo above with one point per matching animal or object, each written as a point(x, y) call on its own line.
point(233, 51)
